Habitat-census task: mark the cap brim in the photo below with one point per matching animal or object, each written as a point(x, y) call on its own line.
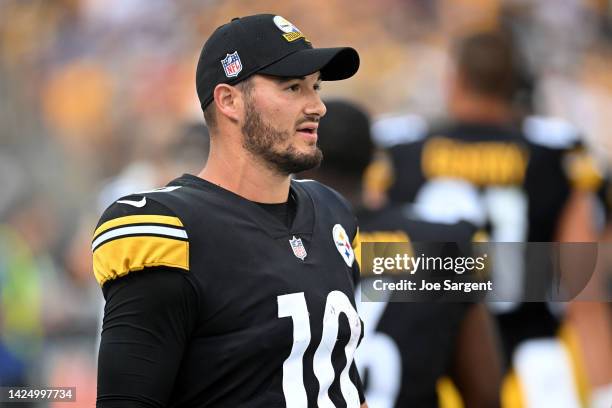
point(334, 63)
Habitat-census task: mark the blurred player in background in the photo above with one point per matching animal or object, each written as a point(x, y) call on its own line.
point(408, 347)
point(521, 178)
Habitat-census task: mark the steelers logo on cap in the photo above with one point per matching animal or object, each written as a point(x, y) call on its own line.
point(292, 33)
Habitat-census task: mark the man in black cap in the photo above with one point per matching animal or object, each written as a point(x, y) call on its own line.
point(234, 288)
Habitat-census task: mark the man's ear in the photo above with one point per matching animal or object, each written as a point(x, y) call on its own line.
point(228, 101)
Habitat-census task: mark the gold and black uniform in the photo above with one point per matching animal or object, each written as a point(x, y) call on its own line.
point(526, 170)
point(514, 180)
point(213, 301)
point(408, 346)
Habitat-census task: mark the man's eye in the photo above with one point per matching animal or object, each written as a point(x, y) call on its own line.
point(317, 87)
point(294, 88)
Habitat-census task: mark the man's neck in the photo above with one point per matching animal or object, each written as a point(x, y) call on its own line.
point(481, 109)
point(237, 171)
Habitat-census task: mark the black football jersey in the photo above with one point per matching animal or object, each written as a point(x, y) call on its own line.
point(270, 313)
point(512, 180)
point(526, 171)
point(408, 347)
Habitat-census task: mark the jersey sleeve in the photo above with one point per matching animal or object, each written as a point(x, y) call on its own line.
point(135, 233)
point(579, 166)
point(140, 258)
point(148, 320)
point(581, 169)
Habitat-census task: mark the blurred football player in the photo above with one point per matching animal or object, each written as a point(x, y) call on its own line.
point(409, 348)
point(523, 179)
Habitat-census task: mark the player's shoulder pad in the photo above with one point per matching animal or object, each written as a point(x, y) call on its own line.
point(391, 130)
point(136, 232)
point(551, 132)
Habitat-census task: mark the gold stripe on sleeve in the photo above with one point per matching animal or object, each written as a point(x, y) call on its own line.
point(121, 256)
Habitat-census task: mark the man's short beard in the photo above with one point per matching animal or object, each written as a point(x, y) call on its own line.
point(260, 139)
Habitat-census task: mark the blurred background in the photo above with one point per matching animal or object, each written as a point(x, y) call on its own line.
point(97, 99)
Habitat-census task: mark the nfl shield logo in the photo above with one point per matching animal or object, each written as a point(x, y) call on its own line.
point(298, 248)
point(232, 64)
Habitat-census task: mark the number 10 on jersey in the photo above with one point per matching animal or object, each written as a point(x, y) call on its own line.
point(294, 306)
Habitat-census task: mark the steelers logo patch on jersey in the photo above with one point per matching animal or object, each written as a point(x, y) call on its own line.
point(343, 244)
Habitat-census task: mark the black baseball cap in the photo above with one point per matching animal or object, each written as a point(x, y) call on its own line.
point(266, 44)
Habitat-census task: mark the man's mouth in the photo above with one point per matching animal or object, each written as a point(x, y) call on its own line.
point(308, 129)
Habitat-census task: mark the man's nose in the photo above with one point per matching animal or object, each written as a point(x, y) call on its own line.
point(316, 106)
